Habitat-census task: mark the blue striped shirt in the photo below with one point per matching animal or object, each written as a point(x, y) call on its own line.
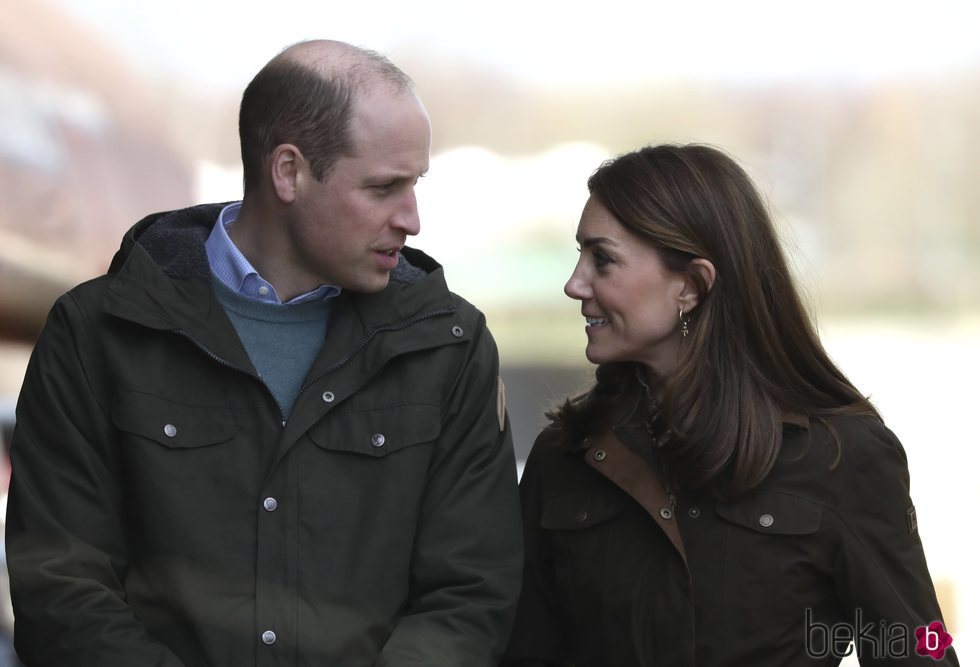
point(229, 265)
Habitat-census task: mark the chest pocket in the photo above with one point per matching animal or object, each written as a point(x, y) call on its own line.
point(171, 424)
point(773, 513)
point(377, 432)
point(767, 564)
point(582, 540)
point(575, 511)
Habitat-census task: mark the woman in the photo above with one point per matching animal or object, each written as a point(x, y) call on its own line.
point(722, 495)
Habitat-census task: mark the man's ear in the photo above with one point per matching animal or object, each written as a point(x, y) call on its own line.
point(700, 270)
point(285, 163)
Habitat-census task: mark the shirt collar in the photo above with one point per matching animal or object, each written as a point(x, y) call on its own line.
point(234, 271)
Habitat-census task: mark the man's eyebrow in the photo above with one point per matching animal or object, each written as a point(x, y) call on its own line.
point(400, 175)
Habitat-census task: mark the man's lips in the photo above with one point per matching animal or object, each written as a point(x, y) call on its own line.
point(387, 259)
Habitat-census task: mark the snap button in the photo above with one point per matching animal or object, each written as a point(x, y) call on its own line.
point(458, 331)
point(268, 637)
point(581, 517)
point(599, 455)
point(766, 520)
point(270, 504)
point(377, 440)
point(170, 430)
point(694, 512)
point(666, 513)
point(327, 396)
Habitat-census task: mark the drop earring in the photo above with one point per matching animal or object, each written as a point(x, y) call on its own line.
point(684, 329)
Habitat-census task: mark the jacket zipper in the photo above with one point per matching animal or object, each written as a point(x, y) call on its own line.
point(227, 364)
point(338, 365)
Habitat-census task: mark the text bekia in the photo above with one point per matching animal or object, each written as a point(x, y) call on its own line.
point(872, 640)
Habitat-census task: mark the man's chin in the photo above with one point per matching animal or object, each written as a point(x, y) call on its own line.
point(371, 286)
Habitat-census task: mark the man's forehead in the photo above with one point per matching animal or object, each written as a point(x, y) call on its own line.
point(393, 119)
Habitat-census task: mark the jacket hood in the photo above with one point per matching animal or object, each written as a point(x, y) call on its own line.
point(175, 240)
point(161, 276)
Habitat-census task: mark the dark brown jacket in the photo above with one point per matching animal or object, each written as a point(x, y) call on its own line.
point(613, 579)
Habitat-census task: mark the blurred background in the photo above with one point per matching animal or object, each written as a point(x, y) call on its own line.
point(860, 121)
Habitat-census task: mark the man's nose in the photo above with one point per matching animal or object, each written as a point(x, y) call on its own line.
point(406, 218)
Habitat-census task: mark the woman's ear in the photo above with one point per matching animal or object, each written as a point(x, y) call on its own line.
point(285, 163)
point(700, 270)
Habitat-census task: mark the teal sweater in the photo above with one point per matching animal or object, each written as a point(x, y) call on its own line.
point(281, 340)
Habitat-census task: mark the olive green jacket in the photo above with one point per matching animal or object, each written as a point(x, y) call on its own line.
point(163, 513)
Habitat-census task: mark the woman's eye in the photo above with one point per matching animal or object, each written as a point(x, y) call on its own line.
point(601, 259)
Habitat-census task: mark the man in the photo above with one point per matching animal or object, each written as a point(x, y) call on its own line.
point(203, 477)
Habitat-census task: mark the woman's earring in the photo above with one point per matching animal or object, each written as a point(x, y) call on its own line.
point(684, 329)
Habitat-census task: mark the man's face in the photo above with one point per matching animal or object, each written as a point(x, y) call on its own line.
point(347, 230)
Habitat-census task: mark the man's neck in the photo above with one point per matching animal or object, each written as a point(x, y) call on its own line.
point(258, 233)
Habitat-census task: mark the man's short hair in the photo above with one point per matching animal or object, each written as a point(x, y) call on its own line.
point(292, 102)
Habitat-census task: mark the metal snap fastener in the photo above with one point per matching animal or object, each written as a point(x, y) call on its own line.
point(581, 517)
point(666, 513)
point(694, 512)
point(458, 331)
point(766, 520)
point(327, 396)
point(270, 504)
point(170, 430)
point(599, 455)
point(377, 440)
point(268, 637)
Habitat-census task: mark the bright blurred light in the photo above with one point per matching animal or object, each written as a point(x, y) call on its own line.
point(223, 43)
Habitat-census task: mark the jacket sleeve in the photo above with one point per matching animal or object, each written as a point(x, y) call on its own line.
point(538, 639)
point(466, 565)
point(64, 536)
point(881, 570)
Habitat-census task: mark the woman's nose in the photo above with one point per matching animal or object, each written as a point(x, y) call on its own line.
point(576, 287)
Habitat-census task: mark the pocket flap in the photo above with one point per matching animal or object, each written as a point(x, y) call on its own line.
point(773, 512)
point(377, 432)
point(578, 511)
point(172, 424)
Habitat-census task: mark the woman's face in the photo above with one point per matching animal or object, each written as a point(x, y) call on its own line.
point(629, 299)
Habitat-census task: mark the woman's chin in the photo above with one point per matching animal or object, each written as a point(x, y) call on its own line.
point(595, 355)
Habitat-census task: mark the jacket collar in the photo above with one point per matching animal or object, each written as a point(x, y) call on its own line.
point(161, 279)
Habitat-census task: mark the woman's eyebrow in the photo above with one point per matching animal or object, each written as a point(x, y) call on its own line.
point(595, 240)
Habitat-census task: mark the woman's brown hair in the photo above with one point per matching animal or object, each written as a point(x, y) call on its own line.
point(752, 356)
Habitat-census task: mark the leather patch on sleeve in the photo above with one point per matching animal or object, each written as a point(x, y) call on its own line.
point(501, 404)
